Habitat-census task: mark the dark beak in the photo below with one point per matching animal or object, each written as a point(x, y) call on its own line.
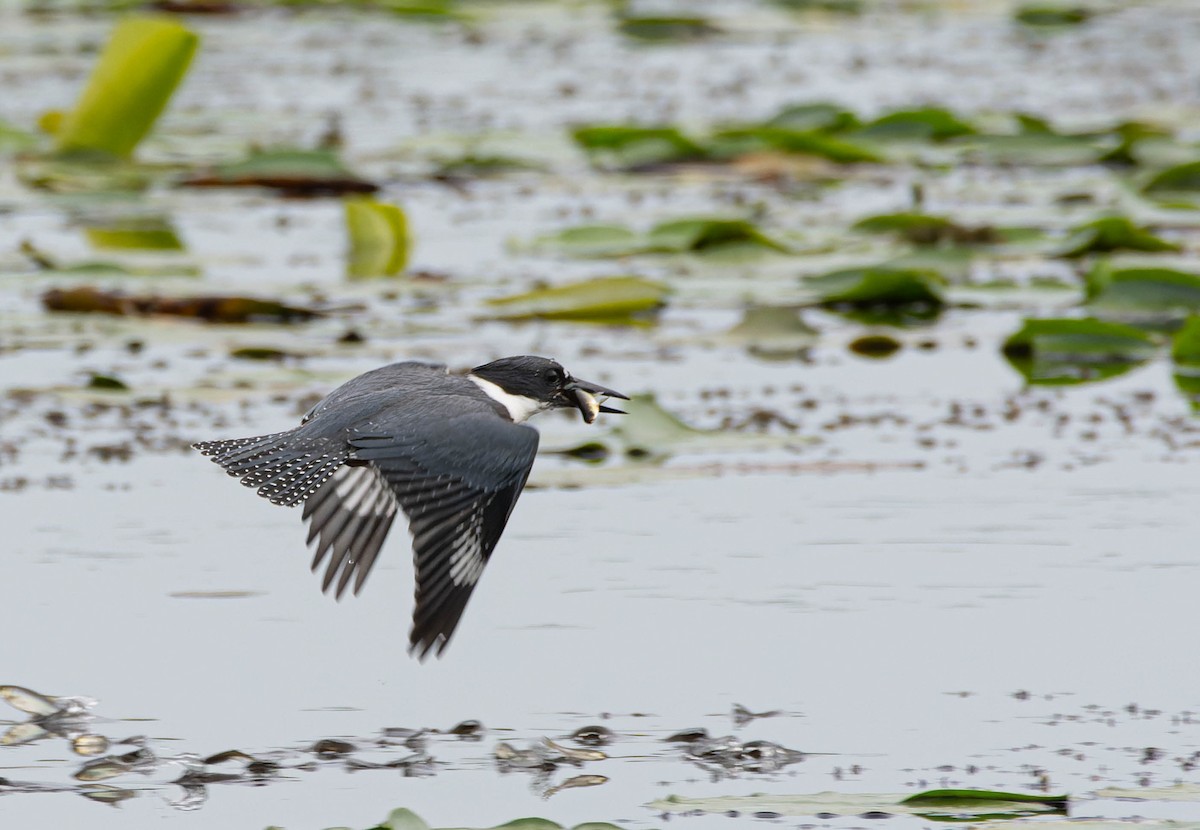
point(582, 395)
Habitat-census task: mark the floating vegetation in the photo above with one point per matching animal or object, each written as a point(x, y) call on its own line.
point(878, 287)
point(134, 78)
point(773, 332)
point(924, 229)
point(212, 309)
point(943, 805)
point(1112, 233)
point(1047, 14)
point(1056, 352)
point(150, 233)
point(691, 235)
point(1146, 295)
point(379, 238)
point(601, 300)
point(660, 28)
point(294, 172)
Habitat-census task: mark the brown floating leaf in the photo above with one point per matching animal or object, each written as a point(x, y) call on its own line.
point(214, 309)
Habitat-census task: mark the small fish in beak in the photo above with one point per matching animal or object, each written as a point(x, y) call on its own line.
point(581, 394)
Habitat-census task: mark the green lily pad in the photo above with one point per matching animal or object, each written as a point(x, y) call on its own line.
point(1112, 233)
point(741, 141)
point(923, 229)
point(627, 146)
point(931, 124)
point(814, 117)
point(1037, 148)
point(592, 241)
point(935, 804)
point(1182, 178)
point(294, 171)
point(142, 234)
point(606, 299)
point(1057, 352)
point(379, 241)
point(701, 235)
point(134, 78)
point(13, 138)
point(1142, 292)
point(878, 286)
point(656, 28)
point(1185, 347)
point(1052, 15)
point(107, 383)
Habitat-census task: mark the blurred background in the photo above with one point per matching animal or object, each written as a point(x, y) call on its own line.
point(905, 294)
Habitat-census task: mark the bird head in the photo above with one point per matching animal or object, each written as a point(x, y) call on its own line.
point(536, 383)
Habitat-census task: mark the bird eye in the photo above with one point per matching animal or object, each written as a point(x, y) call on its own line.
point(553, 375)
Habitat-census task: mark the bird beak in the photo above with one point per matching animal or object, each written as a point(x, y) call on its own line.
point(582, 395)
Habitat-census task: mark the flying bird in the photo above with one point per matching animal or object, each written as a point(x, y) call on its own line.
point(450, 451)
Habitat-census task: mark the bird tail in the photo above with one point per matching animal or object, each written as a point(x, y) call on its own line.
point(284, 467)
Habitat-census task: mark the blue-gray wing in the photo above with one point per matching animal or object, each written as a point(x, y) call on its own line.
point(457, 479)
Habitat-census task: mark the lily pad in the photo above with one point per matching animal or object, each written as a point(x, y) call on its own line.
point(1185, 348)
point(1112, 233)
point(656, 28)
point(606, 299)
point(134, 78)
point(1142, 292)
point(379, 241)
point(213, 309)
point(773, 332)
point(295, 172)
point(878, 286)
point(924, 229)
point(964, 805)
point(931, 124)
point(1052, 15)
point(592, 241)
point(738, 142)
point(140, 234)
point(1056, 352)
point(1182, 178)
point(702, 235)
point(628, 146)
point(814, 117)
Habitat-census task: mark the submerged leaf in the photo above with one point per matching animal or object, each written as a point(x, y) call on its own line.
point(605, 299)
point(298, 172)
point(134, 78)
point(1112, 233)
point(378, 234)
point(773, 332)
point(1067, 351)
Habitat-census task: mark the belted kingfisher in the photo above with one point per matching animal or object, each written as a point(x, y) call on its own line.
point(451, 451)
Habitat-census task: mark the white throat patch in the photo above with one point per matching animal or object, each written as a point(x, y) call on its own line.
point(519, 407)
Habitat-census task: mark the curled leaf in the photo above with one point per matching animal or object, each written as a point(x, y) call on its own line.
point(379, 241)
